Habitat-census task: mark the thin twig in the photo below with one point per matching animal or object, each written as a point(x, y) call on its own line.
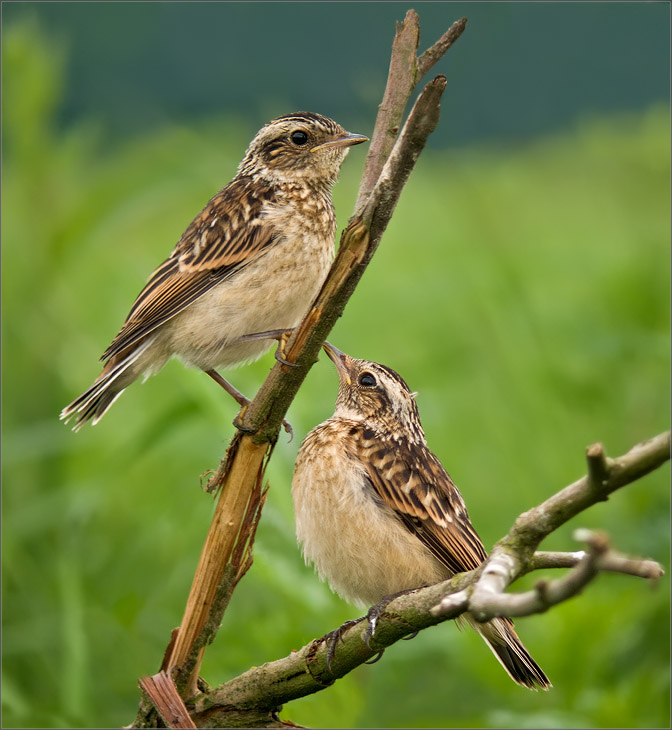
point(509, 557)
point(613, 562)
point(435, 52)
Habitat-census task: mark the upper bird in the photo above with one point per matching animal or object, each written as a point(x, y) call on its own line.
point(252, 261)
point(377, 513)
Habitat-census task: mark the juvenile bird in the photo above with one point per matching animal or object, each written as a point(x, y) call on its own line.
point(376, 512)
point(251, 262)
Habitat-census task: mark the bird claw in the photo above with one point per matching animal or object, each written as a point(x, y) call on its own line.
point(280, 349)
point(376, 658)
point(333, 637)
point(282, 360)
point(239, 422)
point(244, 402)
point(372, 617)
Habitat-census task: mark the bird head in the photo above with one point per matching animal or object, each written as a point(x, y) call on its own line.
point(375, 394)
point(300, 146)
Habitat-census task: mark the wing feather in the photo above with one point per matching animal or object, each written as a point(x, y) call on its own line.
point(409, 479)
point(228, 233)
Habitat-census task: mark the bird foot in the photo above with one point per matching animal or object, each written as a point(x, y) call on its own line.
point(239, 421)
point(372, 617)
point(374, 614)
point(333, 637)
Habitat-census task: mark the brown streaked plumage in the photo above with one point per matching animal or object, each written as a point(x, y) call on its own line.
point(376, 512)
point(252, 261)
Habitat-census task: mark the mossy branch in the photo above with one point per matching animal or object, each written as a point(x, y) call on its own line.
point(261, 691)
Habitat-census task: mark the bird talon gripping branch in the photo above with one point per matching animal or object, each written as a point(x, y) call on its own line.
point(333, 637)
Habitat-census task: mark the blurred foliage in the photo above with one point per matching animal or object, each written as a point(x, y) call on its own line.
point(183, 60)
point(523, 291)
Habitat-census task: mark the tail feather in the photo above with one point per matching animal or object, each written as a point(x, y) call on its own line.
point(504, 643)
point(94, 402)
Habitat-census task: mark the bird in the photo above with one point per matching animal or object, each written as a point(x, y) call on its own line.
point(243, 273)
point(377, 514)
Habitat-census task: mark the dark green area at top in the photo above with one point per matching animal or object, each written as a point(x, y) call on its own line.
point(519, 70)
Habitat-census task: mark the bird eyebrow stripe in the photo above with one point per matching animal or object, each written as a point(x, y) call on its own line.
point(395, 376)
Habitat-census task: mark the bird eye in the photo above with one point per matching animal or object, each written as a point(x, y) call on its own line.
point(367, 380)
point(299, 137)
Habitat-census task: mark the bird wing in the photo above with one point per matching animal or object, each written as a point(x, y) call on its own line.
point(409, 479)
point(228, 234)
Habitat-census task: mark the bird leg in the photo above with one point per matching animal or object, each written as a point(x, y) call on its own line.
point(233, 392)
point(280, 335)
point(241, 399)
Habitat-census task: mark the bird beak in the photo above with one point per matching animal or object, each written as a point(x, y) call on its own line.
point(340, 360)
point(347, 139)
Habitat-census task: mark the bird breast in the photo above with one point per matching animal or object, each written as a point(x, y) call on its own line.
point(354, 540)
point(272, 291)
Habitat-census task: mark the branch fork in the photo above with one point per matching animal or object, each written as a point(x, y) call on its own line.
point(486, 597)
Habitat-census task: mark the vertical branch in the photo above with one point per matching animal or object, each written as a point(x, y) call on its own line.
point(238, 483)
point(401, 80)
point(405, 72)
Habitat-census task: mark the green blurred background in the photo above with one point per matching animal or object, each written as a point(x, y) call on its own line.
point(522, 289)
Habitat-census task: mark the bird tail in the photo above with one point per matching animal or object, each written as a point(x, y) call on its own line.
point(93, 403)
point(504, 643)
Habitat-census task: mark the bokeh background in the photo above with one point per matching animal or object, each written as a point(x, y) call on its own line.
point(522, 289)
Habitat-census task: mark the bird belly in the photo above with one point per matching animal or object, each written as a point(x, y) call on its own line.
point(355, 542)
point(272, 292)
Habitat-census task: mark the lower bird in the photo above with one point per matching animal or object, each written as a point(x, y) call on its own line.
point(376, 512)
point(249, 265)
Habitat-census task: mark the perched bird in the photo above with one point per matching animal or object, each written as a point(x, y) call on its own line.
point(251, 262)
point(375, 510)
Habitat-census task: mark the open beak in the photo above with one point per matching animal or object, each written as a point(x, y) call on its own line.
point(347, 139)
point(340, 360)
